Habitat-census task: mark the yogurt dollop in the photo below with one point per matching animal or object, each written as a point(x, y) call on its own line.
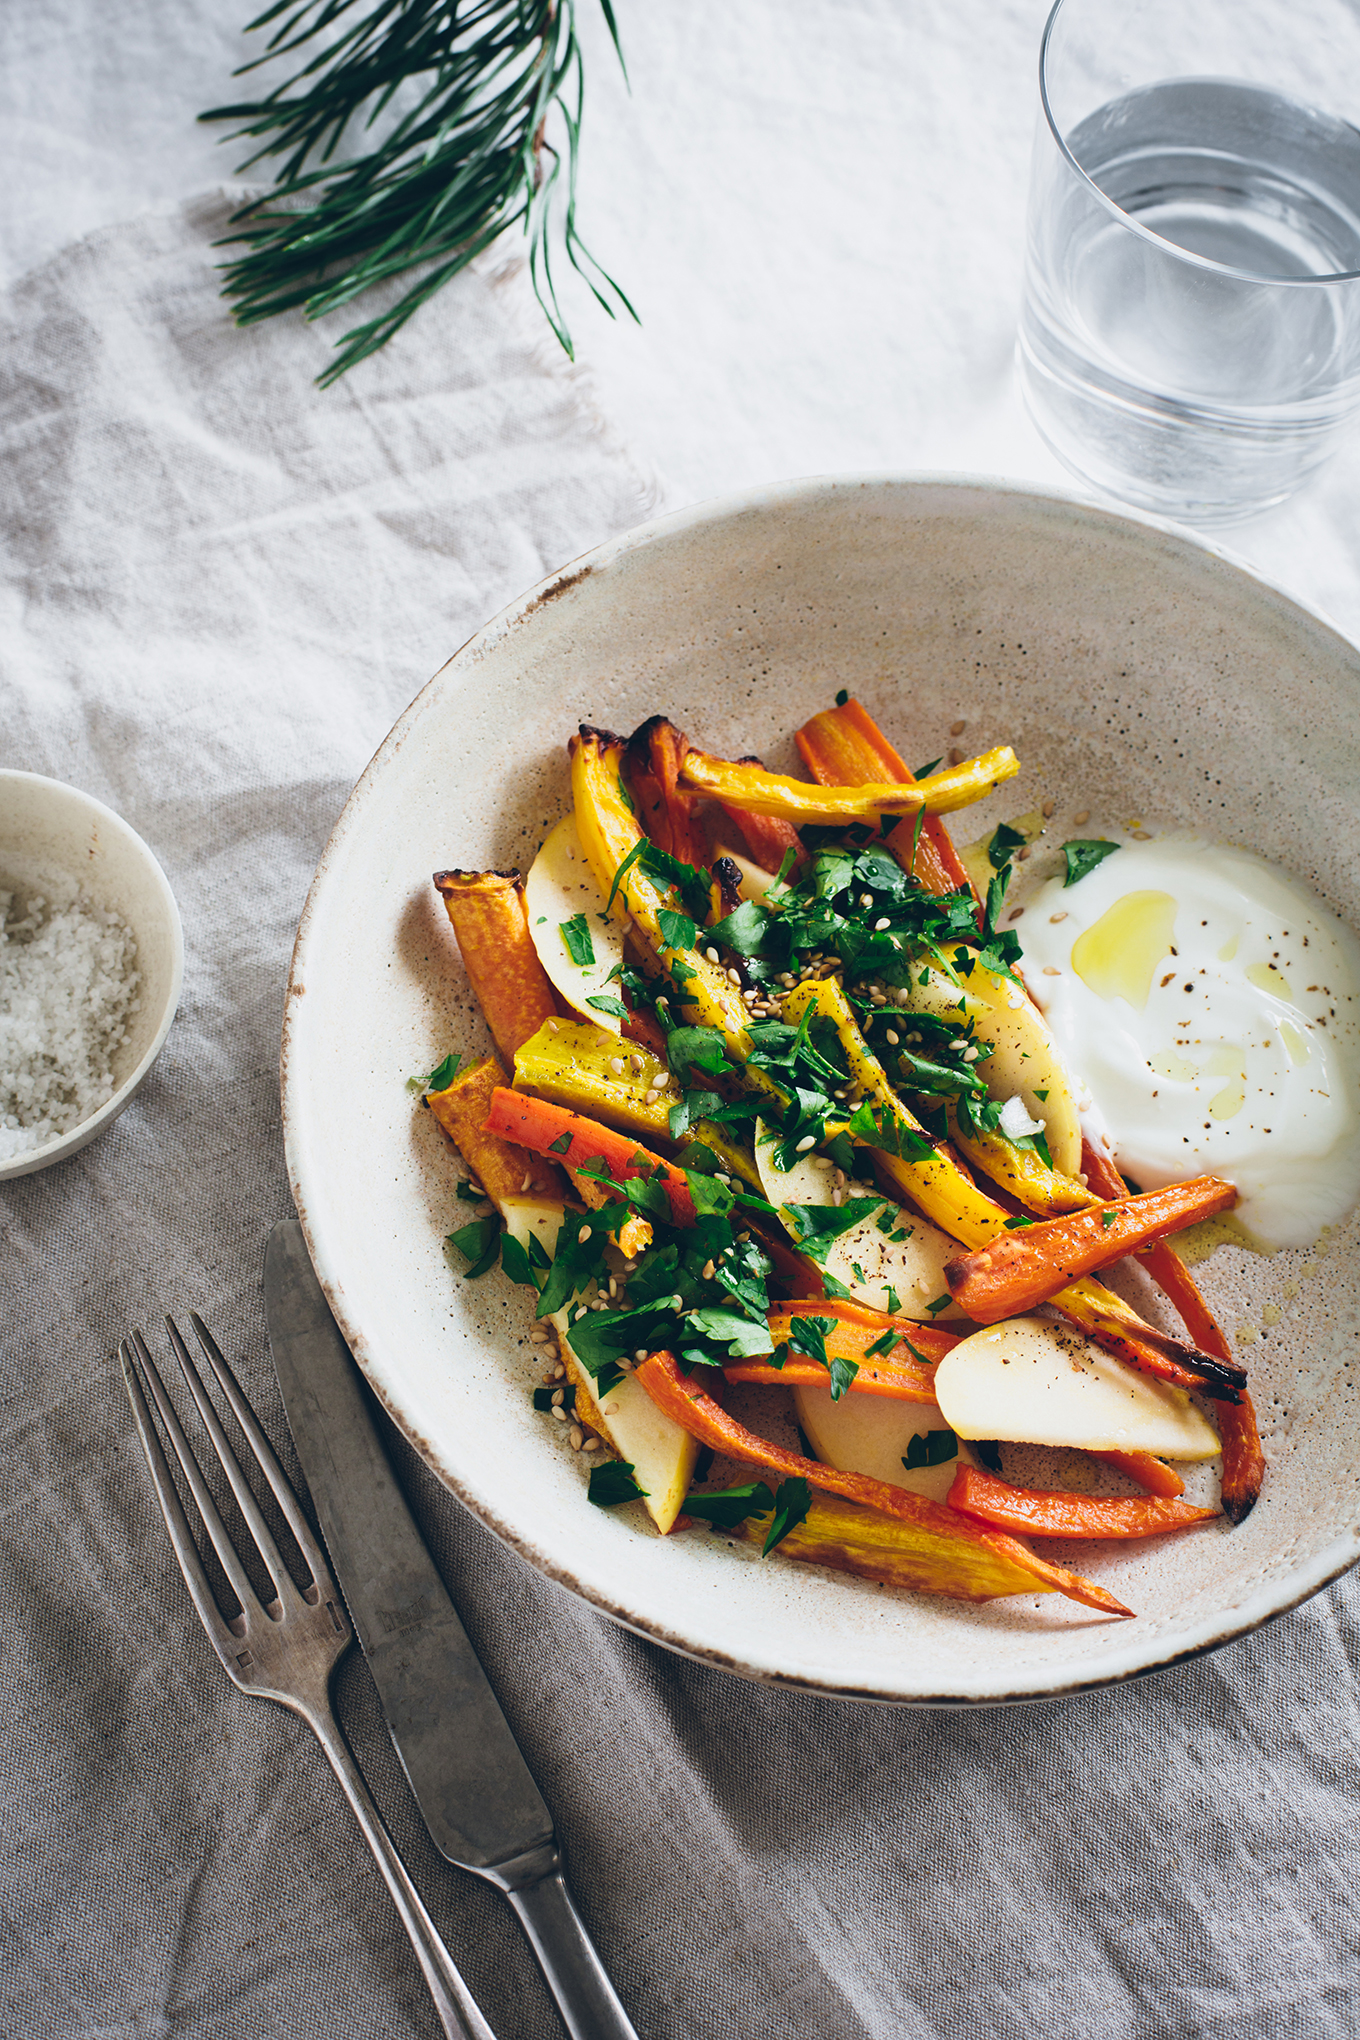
point(1212, 1006)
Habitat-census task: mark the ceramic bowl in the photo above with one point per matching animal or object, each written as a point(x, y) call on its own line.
point(60, 841)
point(1138, 674)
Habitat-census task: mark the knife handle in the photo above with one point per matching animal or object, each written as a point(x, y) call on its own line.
point(566, 1954)
point(459, 2013)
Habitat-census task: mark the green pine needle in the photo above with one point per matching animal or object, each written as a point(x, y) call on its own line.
point(458, 167)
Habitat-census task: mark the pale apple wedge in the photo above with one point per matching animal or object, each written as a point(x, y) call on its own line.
point(1041, 1383)
point(560, 889)
point(1024, 1062)
point(903, 1254)
point(857, 1439)
point(661, 1454)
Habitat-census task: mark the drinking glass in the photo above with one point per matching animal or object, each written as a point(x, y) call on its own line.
point(1190, 338)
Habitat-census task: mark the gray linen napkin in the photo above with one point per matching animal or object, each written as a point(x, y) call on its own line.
point(218, 589)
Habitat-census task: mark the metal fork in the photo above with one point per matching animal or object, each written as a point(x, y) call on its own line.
point(285, 1649)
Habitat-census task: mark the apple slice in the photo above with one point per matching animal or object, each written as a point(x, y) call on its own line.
point(561, 889)
point(858, 1440)
point(907, 1258)
point(1041, 1383)
point(661, 1454)
point(1024, 1062)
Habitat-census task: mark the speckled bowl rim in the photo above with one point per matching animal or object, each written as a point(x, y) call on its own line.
point(71, 1142)
point(1257, 1608)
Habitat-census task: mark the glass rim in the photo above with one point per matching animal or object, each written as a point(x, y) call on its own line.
point(1134, 226)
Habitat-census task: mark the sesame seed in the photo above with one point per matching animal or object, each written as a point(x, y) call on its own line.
point(1047, 809)
point(476, 1190)
point(838, 1197)
point(584, 1233)
point(677, 1301)
point(955, 755)
point(583, 1311)
point(609, 1409)
point(557, 1397)
point(641, 1354)
point(540, 1334)
point(956, 729)
point(1084, 815)
point(553, 1026)
point(527, 1181)
point(809, 1140)
point(711, 953)
point(576, 1437)
point(616, 1065)
point(893, 1036)
point(971, 1053)
point(559, 1373)
point(1022, 853)
point(733, 976)
point(723, 1178)
point(1141, 836)
point(1055, 918)
point(822, 1162)
point(881, 923)
point(709, 1270)
point(1051, 970)
point(558, 1413)
point(866, 899)
point(1015, 913)
point(591, 1445)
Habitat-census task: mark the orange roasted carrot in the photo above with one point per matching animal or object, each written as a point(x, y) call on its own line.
point(503, 1168)
point(1030, 1512)
point(907, 1375)
point(682, 1399)
point(843, 747)
point(659, 749)
point(553, 1130)
point(488, 915)
point(1243, 1460)
point(1019, 1269)
point(1150, 1472)
point(769, 838)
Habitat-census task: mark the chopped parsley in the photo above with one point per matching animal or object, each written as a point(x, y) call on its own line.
point(613, 1484)
point(1083, 854)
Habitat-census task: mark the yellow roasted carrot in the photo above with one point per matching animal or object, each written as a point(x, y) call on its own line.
point(770, 793)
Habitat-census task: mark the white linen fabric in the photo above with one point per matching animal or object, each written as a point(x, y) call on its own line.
point(217, 590)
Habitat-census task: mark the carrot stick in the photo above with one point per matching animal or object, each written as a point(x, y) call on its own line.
point(1019, 1269)
point(1150, 1472)
point(1034, 1513)
point(502, 1168)
point(681, 1398)
point(1243, 1460)
point(553, 1130)
point(768, 838)
point(488, 915)
point(770, 793)
point(907, 1375)
point(843, 746)
point(664, 749)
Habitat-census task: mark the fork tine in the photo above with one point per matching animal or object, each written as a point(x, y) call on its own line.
point(207, 1508)
point(269, 1465)
point(220, 1631)
point(240, 1486)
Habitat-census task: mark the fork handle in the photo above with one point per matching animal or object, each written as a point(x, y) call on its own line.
point(458, 2011)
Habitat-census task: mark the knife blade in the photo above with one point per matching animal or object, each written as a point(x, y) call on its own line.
point(471, 1783)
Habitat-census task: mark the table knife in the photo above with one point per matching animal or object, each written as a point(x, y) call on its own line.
point(478, 1800)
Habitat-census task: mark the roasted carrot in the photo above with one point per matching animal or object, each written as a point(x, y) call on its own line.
point(503, 1168)
point(1035, 1513)
point(768, 839)
point(1020, 1269)
point(489, 919)
point(1144, 1467)
point(907, 1374)
point(553, 1130)
point(953, 1549)
point(770, 793)
point(843, 747)
point(1243, 1460)
point(660, 748)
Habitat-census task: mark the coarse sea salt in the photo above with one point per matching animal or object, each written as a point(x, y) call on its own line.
point(68, 988)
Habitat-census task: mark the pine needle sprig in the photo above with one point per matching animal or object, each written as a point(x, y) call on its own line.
point(465, 160)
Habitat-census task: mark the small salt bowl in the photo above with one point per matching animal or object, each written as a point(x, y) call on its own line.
point(64, 849)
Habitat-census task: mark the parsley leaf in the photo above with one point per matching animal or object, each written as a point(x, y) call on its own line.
point(576, 935)
point(1083, 854)
point(677, 930)
point(730, 1506)
point(933, 1450)
point(809, 1336)
point(562, 1145)
point(889, 1133)
point(602, 1003)
point(701, 1047)
point(516, 1263)
point(1107, 1219)
point(1021, 1219)
point(479, 1243)
point(741, 1337)
point(791, 1504)
point(743, 930)
point(468, 1195)
point(1004, 844)
point(613, 1484)
point(881, 1348)
point(842, 696)
point(821, 1224)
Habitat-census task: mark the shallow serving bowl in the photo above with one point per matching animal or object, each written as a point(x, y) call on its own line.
point(1139, 675)
point(59, 841)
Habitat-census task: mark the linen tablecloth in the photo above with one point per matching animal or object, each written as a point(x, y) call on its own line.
point(217, 589)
